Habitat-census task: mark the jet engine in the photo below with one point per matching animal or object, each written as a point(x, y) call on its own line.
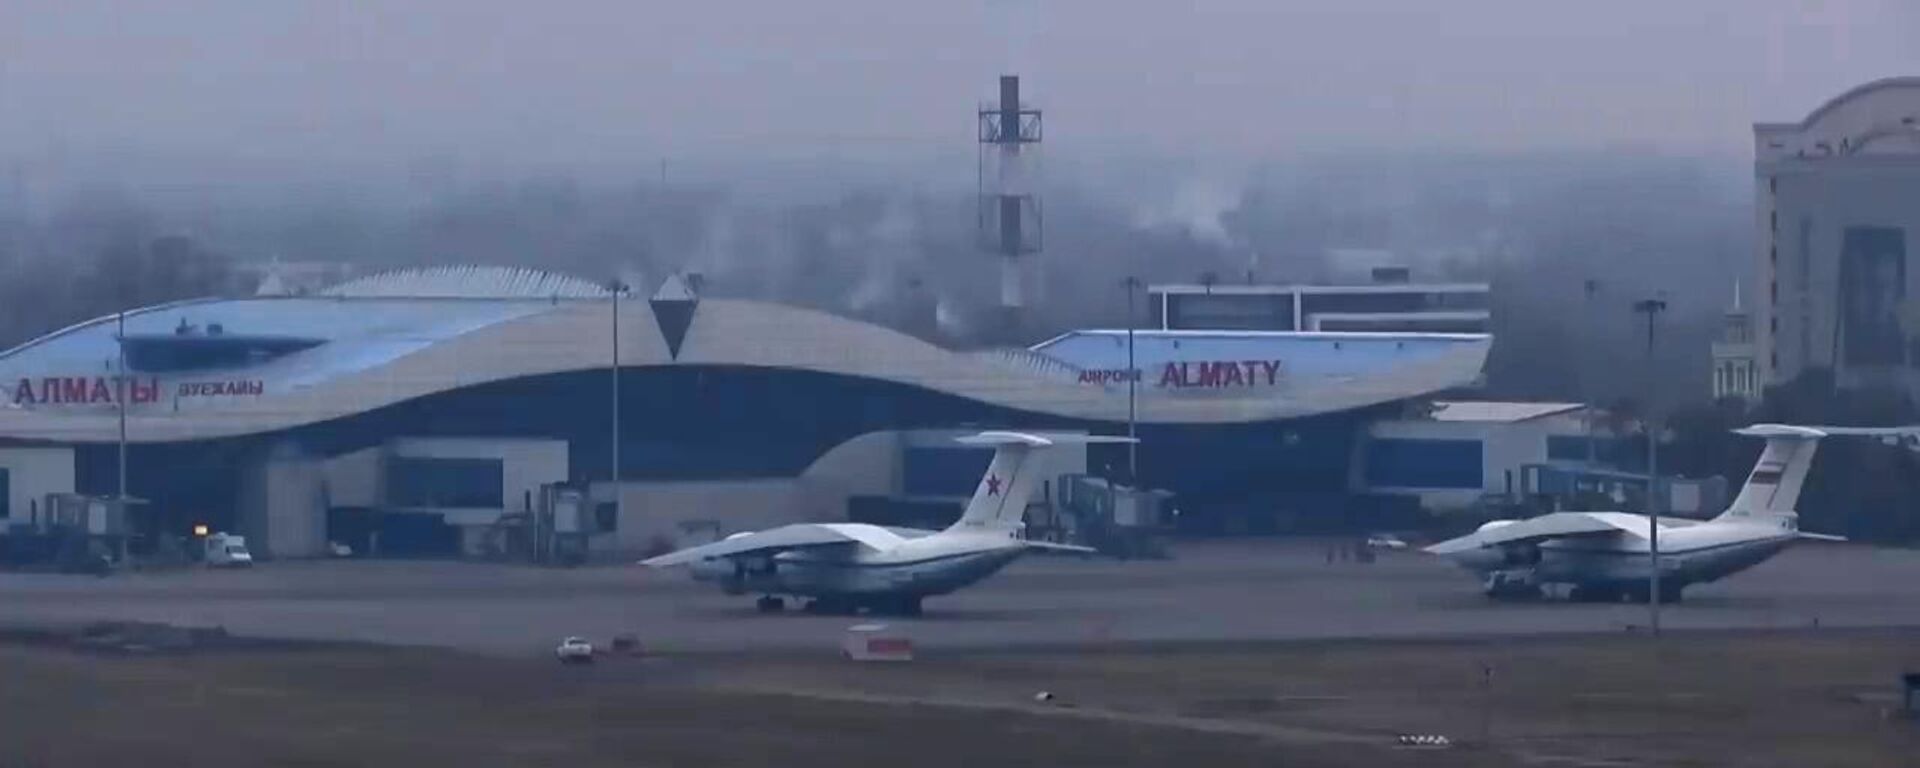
point(1520, 554)
point(729, 572)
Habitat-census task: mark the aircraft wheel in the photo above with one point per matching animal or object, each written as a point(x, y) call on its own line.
point(1583, 593)
point(896, 606)
point(1515, 593)
point(770, 604)
point(830, 606)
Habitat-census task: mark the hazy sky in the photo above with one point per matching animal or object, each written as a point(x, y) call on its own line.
point(572, 82)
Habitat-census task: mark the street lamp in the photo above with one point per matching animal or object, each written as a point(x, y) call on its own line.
point(121, 390)
point(1652, 308)
point(615, 289)
point(1132, 284)
point(1583, 374)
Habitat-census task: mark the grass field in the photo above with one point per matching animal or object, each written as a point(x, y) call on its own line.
point(1779, 699)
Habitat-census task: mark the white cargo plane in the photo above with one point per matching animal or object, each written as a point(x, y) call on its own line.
point(1604, 556)
point(844, 567)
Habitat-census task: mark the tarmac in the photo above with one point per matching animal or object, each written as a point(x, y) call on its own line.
point(1211, 591)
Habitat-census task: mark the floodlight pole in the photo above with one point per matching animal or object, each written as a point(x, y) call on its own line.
point(616, 288)
point(120, 391)
point(1133, 390)
point(1582, 373)
point(1652, 309)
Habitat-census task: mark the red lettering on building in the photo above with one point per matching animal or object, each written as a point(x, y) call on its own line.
point(1109, 375)
point(84, 390)
point(235, 388)
point(1220, 374)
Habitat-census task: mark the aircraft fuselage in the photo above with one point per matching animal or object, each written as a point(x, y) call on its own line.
point(915, 567)
point(1689, 554)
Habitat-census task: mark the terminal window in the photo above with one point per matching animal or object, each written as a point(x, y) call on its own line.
point(1424, 463)
point(1231, 312)
point(1873, 295)
point(943, 471)
point(446, 483)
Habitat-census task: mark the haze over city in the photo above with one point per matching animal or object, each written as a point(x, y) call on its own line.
point(329, 90)
point(824, 153)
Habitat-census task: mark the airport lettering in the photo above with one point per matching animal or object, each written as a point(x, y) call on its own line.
point(236, 388)
point(83, 390)
point(1220, 374)
point(1211, 374)
point(1109, 376)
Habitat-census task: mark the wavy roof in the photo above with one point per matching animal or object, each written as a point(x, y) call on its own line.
point(381, 350)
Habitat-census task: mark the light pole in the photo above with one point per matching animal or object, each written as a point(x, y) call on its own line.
point(615, 288)
point(1583, 372)
point(1652, 309)
point(1133, 389)
point(121, 389)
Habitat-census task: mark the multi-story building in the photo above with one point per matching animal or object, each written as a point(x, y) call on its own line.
point(1837, 203)
point(1387, 305)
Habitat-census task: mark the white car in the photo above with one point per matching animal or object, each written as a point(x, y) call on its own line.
point(574, 650)
point(1385, 541)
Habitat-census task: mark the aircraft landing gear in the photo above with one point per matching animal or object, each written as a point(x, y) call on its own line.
point(831, 606)
point(1593, 593)
point(770, 604)
point(897, 606)
point(1669, 593)
point(1507, 585)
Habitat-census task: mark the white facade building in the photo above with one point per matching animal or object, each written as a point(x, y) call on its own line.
point(1836, 209)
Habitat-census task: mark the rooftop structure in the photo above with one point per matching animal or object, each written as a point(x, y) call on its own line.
point(1381, 307)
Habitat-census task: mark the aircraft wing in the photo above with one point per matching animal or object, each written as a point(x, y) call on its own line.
point(1048, 546)
point(1912, 431)
point(786, 537)
point(1819, 536)
point(1557, 525)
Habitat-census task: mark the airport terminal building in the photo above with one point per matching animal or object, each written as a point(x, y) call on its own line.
point(424, 410)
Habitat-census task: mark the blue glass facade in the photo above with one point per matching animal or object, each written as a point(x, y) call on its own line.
point(1424, 463)
point(726, 422)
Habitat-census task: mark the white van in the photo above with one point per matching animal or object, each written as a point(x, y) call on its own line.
point(224, 550)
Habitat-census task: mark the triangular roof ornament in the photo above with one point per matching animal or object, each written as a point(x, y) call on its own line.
point(673, 305)
point(678, 287)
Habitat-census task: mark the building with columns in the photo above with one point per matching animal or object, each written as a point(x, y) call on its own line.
point(1735, 372)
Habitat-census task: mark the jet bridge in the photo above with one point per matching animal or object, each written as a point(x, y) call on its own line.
point(1115, 519)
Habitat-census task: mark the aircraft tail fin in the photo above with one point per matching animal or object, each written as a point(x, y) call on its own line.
point(999, 503)
point(1773, 487)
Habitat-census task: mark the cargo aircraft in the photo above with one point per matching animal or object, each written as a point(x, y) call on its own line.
point(1606, 556)
point(846, 567)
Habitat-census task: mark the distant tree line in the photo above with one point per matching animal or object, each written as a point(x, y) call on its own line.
point(1859, 487)
point(120, 263)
